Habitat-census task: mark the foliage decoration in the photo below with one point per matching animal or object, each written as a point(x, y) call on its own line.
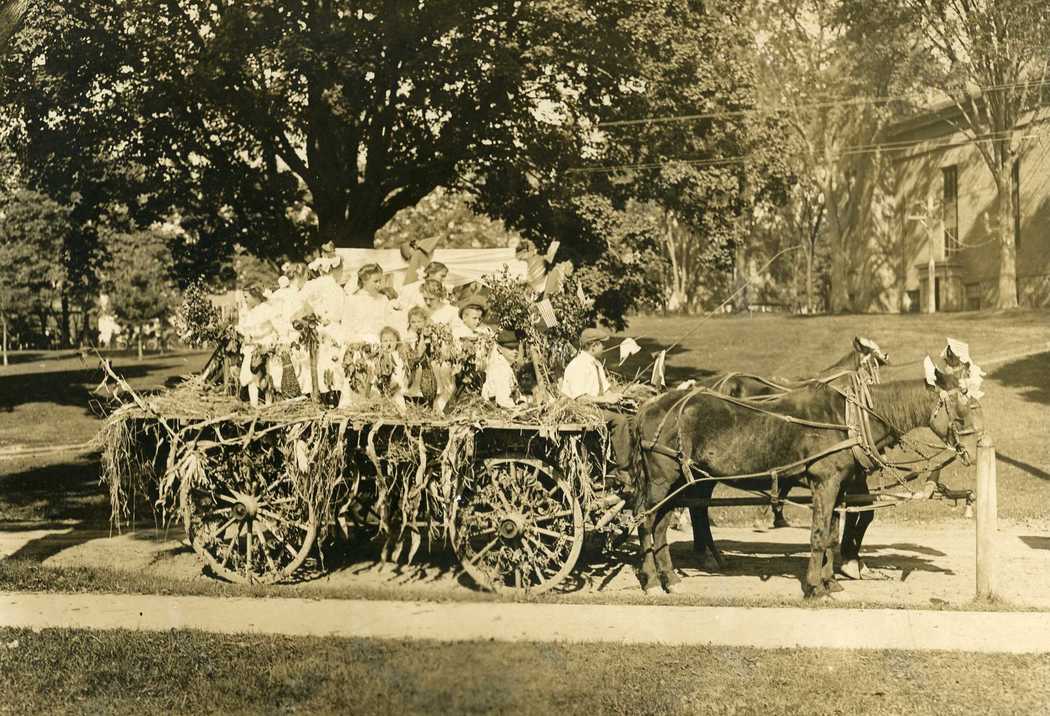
point(197, 320)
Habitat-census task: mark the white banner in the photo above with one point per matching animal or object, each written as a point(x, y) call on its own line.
point(464, 265)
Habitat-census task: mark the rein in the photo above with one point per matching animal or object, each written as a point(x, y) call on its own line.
point(860, 441)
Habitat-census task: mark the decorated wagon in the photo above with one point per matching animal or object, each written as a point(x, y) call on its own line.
point(266, 486)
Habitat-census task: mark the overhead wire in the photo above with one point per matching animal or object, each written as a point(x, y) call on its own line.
point(823, 104)
point(855, 150)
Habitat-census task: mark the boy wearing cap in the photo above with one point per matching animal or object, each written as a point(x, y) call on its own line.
point(501, 384)
point(471, 313)
point(585, 380)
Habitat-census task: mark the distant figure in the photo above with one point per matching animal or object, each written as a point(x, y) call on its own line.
point(108, 330)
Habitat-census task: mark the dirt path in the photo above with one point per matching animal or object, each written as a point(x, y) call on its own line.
point(1013, 633)
point(910, 566)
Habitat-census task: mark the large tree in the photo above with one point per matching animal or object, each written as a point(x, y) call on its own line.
point(990, 57)
point(369, 106)
point(677, 135)
point(365, 107)
point(833, 90)
point(33, 232)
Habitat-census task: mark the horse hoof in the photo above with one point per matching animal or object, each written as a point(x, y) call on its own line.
point(779, 523)
point(850, 569)
point(673, 589)
point(832, 586)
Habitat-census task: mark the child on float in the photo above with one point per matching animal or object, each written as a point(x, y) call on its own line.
point(411, 294)
point(435, 298)
point(417, 321)
point(391, 363)
point(368, 309)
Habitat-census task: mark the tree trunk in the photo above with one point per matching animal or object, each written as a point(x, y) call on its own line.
point(1007, 294)
point(809, 281)
point(3, 329)
point(839, 300)
point(140, 341)
point(63, 330)
point(356, 231)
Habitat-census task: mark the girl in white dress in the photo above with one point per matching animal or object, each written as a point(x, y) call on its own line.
point(368, 310)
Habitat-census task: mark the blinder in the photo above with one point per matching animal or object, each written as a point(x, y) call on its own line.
point(956, 424)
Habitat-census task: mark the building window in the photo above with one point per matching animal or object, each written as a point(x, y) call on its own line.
point(973, 297)
point(951, 210)
point(1015, 191)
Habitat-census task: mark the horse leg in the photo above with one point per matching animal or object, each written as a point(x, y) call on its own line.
point(820, 539)
point(828, 566)
point(698, 519)
point(662, 551)
point(647, 575)
point(778, 508)
point(853, 534)
point(703, 540)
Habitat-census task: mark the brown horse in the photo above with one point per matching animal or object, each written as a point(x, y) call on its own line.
point(866, 357)
point(803, 432)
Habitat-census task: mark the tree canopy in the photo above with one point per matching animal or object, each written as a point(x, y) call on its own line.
point(33, 232)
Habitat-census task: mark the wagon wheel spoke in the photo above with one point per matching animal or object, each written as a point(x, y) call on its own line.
point(248, 553)
point(498, 534)
point(248, 495)
point(556, 516)
point(266, 548)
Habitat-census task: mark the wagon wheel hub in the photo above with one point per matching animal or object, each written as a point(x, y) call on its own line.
point(246, 507)
point(511, 525)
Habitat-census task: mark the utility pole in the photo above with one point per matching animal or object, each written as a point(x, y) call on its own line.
point(926, 219)
point(931, 268)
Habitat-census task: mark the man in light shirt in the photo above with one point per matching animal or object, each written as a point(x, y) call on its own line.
point(585, 380)
point(501, 384)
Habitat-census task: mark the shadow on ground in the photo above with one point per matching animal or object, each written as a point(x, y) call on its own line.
point(1029, 375)
point(69, 387)
point(1024, 466)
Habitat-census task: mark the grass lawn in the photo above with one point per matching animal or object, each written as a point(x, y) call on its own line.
point(68, 671)
point(46, 397)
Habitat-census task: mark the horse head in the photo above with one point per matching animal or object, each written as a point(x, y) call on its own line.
point(869, 351)
point(956, 418)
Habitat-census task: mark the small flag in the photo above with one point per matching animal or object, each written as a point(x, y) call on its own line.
point(586, 302)
point(658, 370)
point(628, 348)
point(552, 250)
point(546, 309)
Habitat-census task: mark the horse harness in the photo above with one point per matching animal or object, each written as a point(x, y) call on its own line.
point(859, 437)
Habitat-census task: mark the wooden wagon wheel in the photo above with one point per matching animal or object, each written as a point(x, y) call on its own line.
point(249, 526)
point(520, 529)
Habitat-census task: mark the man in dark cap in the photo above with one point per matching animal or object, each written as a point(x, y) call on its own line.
point(585, 380)
point(501, 384)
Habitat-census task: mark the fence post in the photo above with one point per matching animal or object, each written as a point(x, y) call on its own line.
point(987, 517)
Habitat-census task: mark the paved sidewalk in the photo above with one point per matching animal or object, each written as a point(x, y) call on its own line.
point(1001, 632)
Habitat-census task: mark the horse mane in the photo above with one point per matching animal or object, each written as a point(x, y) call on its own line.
point(850, 361)
point(905, 404)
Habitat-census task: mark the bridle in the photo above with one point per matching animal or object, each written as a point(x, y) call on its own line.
point(956, 424)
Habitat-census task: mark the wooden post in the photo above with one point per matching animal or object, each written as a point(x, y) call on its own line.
point(987, 518)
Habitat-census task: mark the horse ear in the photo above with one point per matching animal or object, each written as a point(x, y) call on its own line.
point(933, 376)
point(858, 345)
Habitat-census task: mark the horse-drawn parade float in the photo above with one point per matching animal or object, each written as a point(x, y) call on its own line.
point(358, 400)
